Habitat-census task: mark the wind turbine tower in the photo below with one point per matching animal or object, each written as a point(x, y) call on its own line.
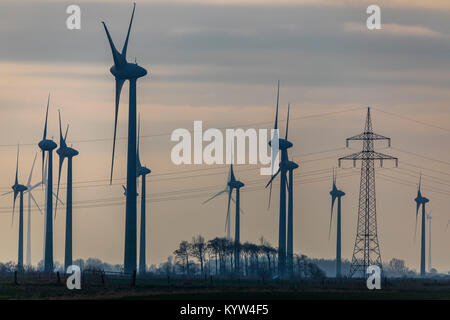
point(421, 201)
point(66, 152)
point(336, 194)
point(367, 249)
point(47, 145)
point(122, 70)
point(142, 171)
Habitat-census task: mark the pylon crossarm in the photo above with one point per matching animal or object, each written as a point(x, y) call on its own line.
point(368, 155)
point(368, 136)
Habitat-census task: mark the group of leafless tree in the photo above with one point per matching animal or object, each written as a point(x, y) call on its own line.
point(216, 257)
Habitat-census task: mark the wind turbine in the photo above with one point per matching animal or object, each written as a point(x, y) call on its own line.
point(122, 71)
point(142, 171)
point(47, 145)
point(18, 190)
point(336, 194)
point(66, 152)
point(421, 201)
point(283, 145)
point(290, 167)
point(232, 183)
point(429, 217)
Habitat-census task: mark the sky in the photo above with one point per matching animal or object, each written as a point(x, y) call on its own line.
point(219, 61)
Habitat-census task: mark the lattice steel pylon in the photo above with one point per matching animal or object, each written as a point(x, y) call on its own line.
point(367, 249)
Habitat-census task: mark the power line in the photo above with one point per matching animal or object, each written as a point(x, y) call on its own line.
point(413, 120)
point(323, 114)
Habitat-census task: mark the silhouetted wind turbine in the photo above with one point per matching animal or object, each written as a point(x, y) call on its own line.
point(142, 171)
point(283, 145)
point(336, 194)
point(421, 201)
point(18, 190)
point(66, 152)
point(122, 71)
point(229, 191)
point(48, 145)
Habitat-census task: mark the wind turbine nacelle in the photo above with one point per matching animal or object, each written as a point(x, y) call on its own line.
point(47, 145)
point(142, 171)
point(291, 165)
point(19, 188)
point(283, 144)
point(128, 71)
point(235, 184)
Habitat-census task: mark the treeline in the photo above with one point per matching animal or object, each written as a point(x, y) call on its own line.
point(216, 257)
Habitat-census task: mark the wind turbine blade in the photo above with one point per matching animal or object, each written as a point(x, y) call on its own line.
point(35, 202)
point(234, 201)
point(31, 172)
point(17, 166)
point(57, 199)
point(333, 199)
point(61, 139)
point(227, 222)
point(14, 206)
point(138, 142)
point(65, 135)
point(118, 60)
point(61, 162)
point(415, 227)
point(214, 196)
point(270, 196)
point(276, 114)
point(43, 166)
point(119, 84)
point(35, 186)
point(4, 194)
point(287, 121)
point(46, 118)
point(125, 45)
point(273, 177)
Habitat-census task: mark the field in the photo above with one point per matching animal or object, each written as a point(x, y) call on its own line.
point(107, 286)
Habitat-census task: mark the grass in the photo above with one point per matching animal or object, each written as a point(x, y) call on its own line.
point(223, 289)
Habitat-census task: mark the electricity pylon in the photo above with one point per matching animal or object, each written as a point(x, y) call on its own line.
point(367, 249)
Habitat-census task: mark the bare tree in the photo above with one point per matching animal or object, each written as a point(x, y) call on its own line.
point(182, 255)
point(198, 250)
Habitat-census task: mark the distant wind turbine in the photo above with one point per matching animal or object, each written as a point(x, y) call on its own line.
point(122, 71)
point(66, 152)
point(336, 194)
point(229, 191)
point(47, 145)
point(421, 201)
point(283, 145)
point(18, 190)
point(142, 171)
point(232, 183)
